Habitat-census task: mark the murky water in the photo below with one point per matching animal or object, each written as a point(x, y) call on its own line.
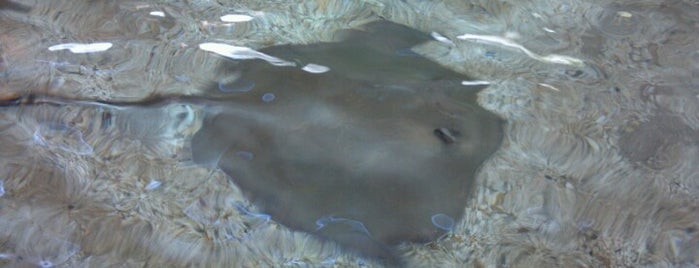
point(259, 134)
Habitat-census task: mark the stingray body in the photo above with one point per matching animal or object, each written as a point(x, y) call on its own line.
point(381, 148)
point(363, 154)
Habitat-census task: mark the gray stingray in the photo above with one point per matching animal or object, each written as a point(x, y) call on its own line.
point(364, 154)
point(381, 149)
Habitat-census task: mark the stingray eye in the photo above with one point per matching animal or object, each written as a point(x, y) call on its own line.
point(446, 135)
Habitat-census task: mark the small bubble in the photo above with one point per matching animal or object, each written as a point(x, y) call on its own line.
point(2, 188)
point(268, 97)
point(442, 221)
point(45, 264)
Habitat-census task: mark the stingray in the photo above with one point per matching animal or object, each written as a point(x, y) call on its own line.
point(378, 146)
point(359, 141)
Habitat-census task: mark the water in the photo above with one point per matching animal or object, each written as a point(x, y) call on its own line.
point(596, 168)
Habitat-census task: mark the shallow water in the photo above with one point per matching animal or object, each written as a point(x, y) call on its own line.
point(596, 167)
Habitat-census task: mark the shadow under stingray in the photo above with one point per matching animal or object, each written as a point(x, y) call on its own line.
point(364, 153)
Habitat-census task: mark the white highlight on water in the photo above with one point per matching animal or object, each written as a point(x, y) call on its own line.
point(442, 39)
point(79, 48)
point(551, 58)
point(236, 18)
point(242, 53)
point(475, 83)
point(548, 86)
point(315, 68)
point(153, 185)
point(157, 13)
